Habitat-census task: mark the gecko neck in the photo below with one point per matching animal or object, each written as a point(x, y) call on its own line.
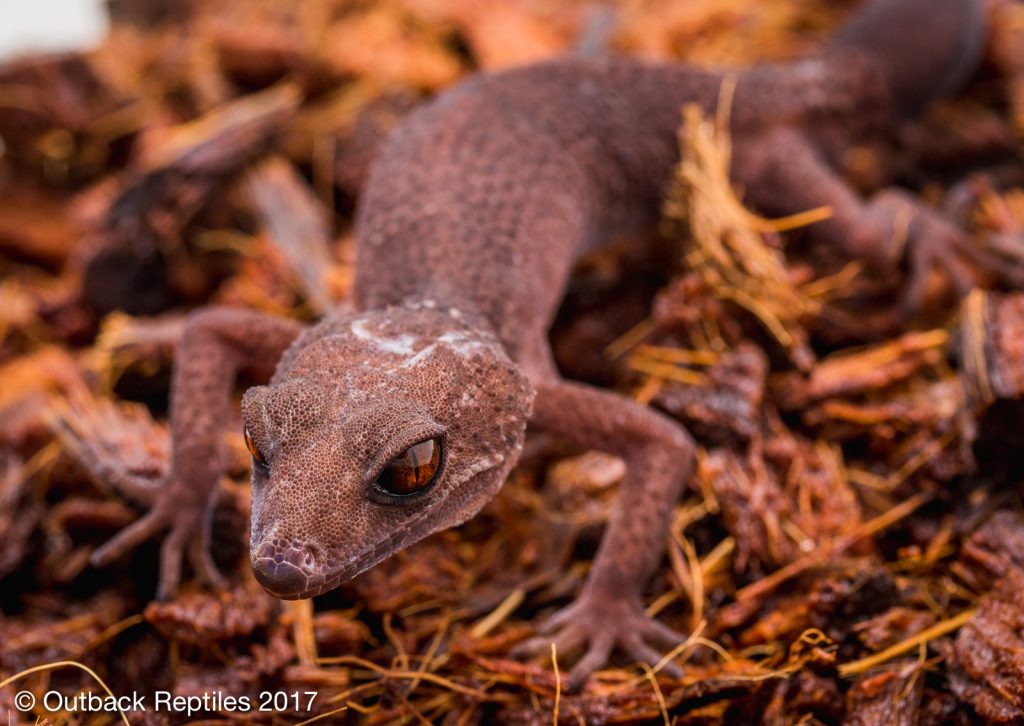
point(466, 312)
point(463, 311)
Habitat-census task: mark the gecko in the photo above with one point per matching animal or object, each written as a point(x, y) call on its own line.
point(404, 414)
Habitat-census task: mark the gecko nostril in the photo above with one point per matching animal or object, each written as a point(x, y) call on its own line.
point(284, 569)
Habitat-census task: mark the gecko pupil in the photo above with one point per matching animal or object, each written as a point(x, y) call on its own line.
point(251, 446)
point(413, 470)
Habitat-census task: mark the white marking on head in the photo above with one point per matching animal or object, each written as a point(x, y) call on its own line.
point(399, 345)
point(462, 343)
point(420, 355)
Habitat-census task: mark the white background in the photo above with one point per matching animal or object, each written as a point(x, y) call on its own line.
point(50, 25)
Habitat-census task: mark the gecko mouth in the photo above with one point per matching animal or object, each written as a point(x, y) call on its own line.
point(286, 582)
point(297, 573)
point(286, 578)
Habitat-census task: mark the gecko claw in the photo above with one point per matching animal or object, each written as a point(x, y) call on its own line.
point(602, 623)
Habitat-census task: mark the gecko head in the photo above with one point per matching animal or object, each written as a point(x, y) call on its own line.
point(378, 429)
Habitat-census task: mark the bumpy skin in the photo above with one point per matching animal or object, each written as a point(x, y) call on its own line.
point(353, 393)
point(473, 214)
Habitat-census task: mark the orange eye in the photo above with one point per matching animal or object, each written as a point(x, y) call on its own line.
point(251, 446)
point(413, 470)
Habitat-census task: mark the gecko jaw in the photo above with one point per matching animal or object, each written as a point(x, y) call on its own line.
point(317, 583)
point(296, 565)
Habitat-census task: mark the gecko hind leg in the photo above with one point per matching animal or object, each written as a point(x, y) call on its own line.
point(609, 612)
point(783, 173)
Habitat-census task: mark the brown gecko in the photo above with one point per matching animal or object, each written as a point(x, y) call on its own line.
point(404, 416)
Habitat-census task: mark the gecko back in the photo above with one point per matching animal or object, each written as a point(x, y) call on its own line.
point(527, 167)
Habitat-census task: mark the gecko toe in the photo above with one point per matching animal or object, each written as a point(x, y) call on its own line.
point(128, 538)
point(660, 634)
point(203, 564)
point(641, 652)
point(565, 640)
point(596, 656)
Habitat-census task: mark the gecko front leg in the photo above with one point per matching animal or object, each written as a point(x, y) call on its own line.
point(609, 612)
point(216, 344)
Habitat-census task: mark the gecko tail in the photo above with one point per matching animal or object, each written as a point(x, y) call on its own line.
point(929, 48)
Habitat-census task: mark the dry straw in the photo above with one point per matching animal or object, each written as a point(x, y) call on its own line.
point(730, 249)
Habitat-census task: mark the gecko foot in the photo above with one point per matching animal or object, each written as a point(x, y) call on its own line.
point(934, 241)
point(600, 623)
point(967, 263)
point(188, 535)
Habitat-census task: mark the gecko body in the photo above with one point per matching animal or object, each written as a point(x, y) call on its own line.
point(404, 416)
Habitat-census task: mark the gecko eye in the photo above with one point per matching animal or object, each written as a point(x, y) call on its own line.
point(251, 446)
point(413, 470)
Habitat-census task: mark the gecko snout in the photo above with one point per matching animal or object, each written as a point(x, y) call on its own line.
point(285, 571)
